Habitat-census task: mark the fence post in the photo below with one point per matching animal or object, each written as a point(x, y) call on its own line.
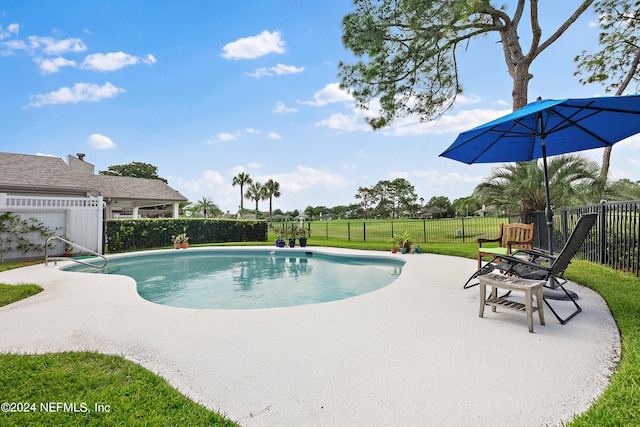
point(349, 230)
point(603, 233)
point(364, 231)
point(565, 226)
point(424, 230)
point(464, 237)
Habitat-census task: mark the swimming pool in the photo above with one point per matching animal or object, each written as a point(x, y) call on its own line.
point(246, 279)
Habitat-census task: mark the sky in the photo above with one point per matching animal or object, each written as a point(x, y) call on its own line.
point(205, 90)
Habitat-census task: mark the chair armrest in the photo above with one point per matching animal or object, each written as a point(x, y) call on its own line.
point(534, 254)
point(481, 241)
point(519, 261)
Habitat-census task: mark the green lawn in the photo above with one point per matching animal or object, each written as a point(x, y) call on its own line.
point(135, 396)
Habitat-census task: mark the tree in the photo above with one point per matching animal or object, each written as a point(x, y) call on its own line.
point(519, 187)
point(367, 196)
point(205, 208)
point(256, 192)
point(134, 170)
point(408, 51)
point(241, 179)
point(382, 196)
point(311, 212)
point(403, 196)
point(440, 202)
point(617, 65)
point(272, 189)
point(465, 206)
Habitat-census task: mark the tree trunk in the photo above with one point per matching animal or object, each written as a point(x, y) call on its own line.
point(517, 65)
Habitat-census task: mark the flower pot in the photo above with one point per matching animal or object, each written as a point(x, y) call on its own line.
point(403, 250)
point(177, 245)
point(394, 250)
point(292, 243)
point(418, 250)
point(303, 242)
point(185, 245)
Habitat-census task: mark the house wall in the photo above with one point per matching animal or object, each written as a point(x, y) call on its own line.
point(78, 219)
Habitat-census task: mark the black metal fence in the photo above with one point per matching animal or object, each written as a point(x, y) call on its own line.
point(614, 240)
point(445, 230)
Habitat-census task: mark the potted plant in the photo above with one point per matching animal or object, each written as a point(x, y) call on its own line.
point(302, 236)
point(185, 241)
point(68, 250)
point(280, 233)
point(394, 243)
point(181, 241)
point(404, 241)
point(292, 233)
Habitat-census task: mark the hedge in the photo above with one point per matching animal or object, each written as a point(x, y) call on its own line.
point(132, 234)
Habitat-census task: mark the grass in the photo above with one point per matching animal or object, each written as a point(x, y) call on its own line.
point(138, 397)
point(100, 390)
point(11, 293)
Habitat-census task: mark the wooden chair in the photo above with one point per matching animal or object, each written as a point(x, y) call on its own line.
point(512, 236)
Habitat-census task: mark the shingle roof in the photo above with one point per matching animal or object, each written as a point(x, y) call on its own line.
point(52, 174)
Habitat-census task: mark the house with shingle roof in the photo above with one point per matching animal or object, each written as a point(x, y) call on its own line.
point(33, 175)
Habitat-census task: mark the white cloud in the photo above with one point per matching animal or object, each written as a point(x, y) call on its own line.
point(255, 46)
point(349, 123)
point(222, 137)
point(471, 99)
point(232, 136)
point(100, 142)
point(80, 92)
point(11, 29)
point(51, 46)
point(48, 66)
point(113, 61)
point(306, 178)
point(449, 123)
point(278, 70)
point(281, 108)
point(273, 135)
point(438, 179)
point(209, 181)
point(329, 94)
point(632, 142)
point(411, 125)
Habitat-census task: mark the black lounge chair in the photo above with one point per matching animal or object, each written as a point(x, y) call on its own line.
point(527, 264)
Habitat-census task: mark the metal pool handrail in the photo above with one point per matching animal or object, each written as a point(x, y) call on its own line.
point(75, 245)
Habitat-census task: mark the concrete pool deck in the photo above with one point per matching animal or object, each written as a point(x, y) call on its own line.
point(413, 353)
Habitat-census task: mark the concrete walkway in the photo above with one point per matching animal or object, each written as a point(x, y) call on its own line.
point(413, 353)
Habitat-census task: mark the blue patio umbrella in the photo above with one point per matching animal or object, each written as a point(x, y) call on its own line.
point(548, 128)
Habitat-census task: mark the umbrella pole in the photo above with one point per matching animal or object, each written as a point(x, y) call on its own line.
point(548, 213)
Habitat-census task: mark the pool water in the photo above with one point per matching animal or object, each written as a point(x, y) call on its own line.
point(227, 279)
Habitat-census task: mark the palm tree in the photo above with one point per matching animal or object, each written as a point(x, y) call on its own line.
point(204, 207)
point(256, 192)
point(241, 179)
point(519, 187)
point(272, 189)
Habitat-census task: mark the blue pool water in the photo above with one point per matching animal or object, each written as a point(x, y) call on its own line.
point(232, 279)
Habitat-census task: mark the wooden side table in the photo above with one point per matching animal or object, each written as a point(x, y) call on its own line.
point(513, 284)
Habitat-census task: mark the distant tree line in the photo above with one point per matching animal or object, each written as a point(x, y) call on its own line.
point(510, 188)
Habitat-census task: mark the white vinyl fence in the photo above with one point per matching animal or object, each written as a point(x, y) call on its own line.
point(78, 219)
